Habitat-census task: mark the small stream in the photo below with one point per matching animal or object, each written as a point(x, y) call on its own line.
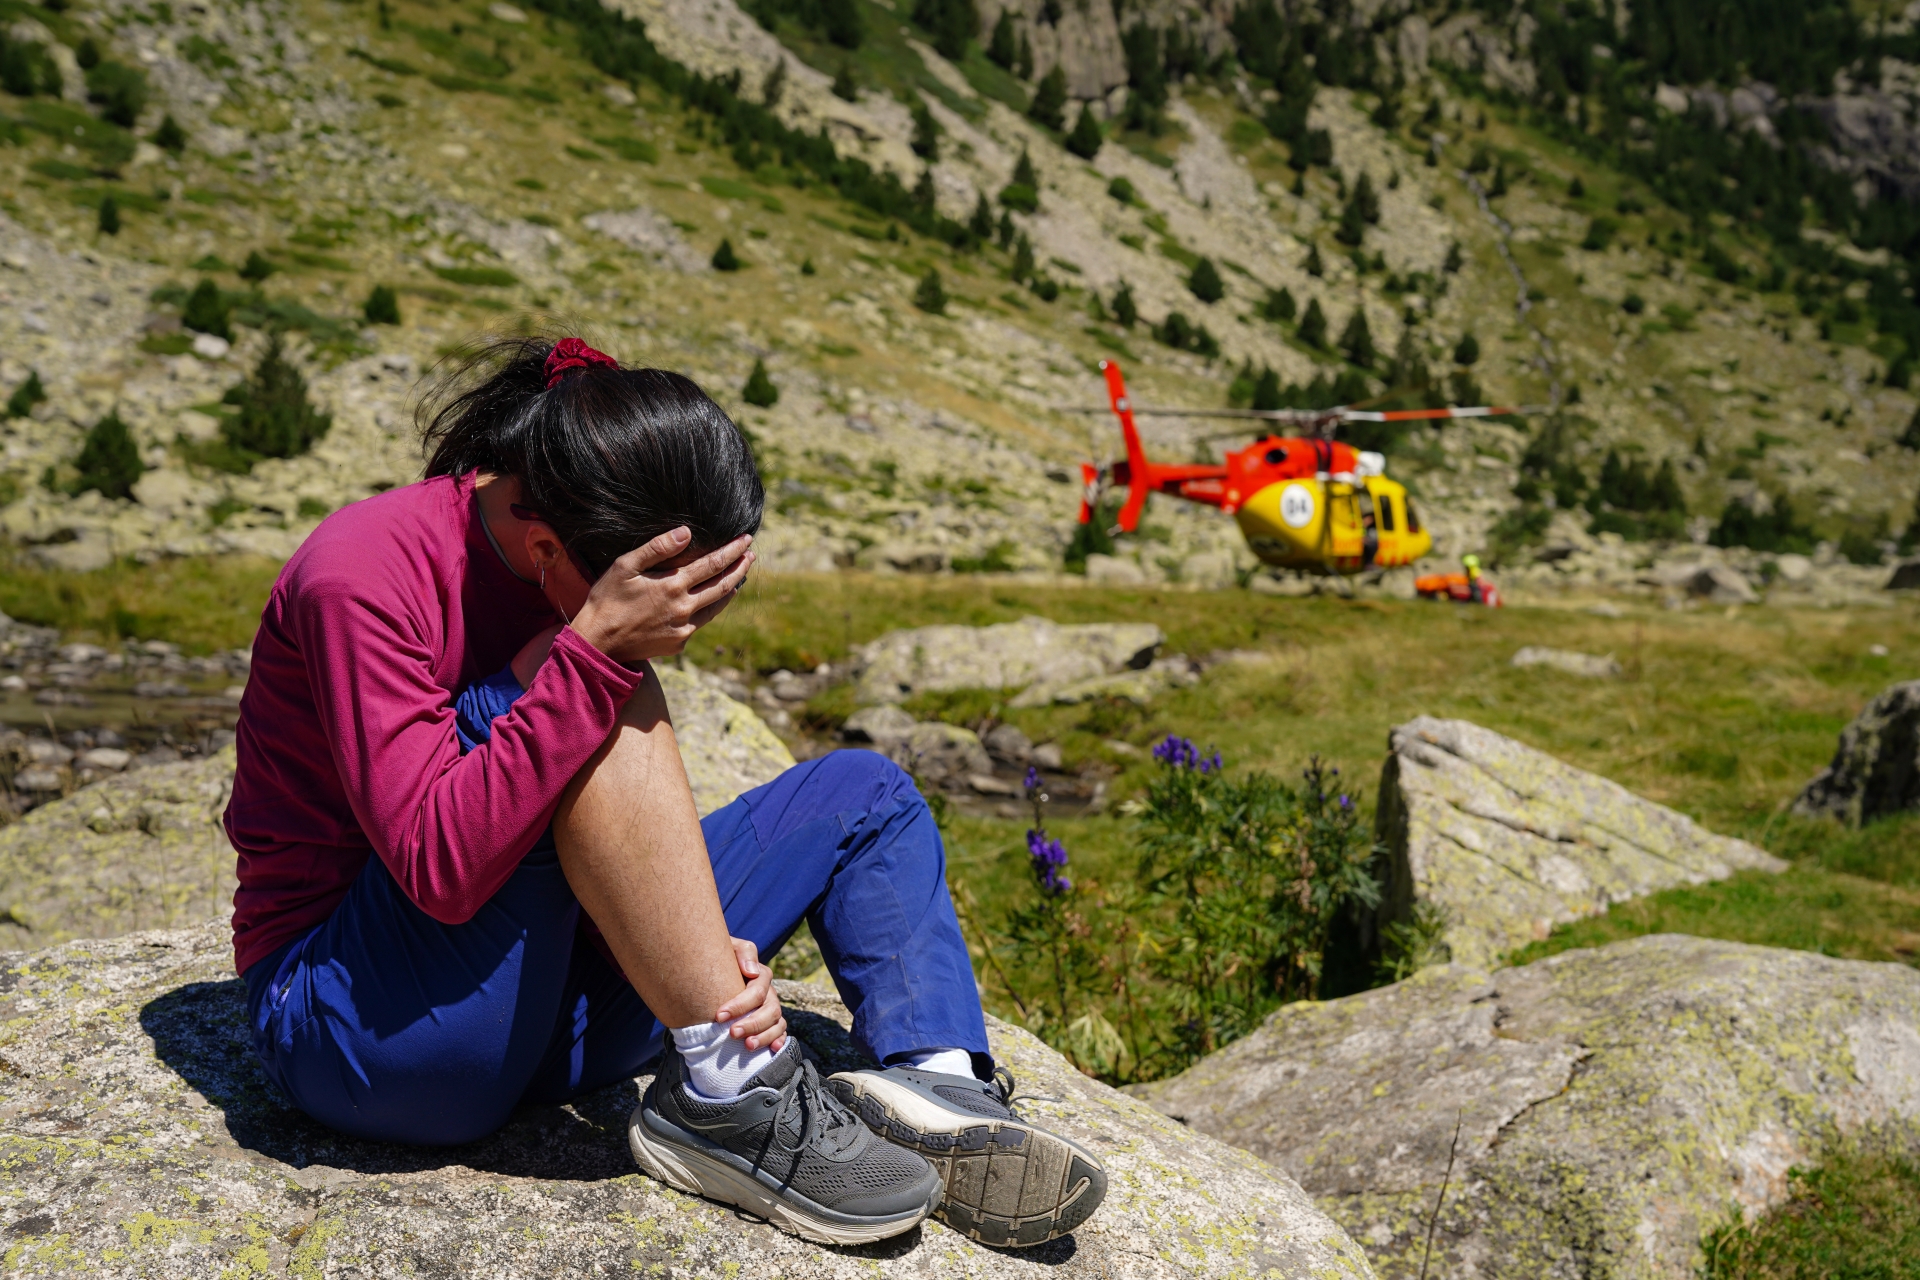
point(1547, 360)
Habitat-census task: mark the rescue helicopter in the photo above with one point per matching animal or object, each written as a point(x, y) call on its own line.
point(1308, 502)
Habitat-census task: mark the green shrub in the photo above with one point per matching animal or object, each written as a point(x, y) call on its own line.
point(256, 268)
point(1122, 190)
point(1467, 350)
point(1205, 283)
point(760, 391)
point(486, 277)
point(109, 460)
point(1279, 305)
point(1126, 312)
point(724, 258)
point(383, 305)
point(1599, 234)
point(930, 297)
point(1015, 196)
point(275, 418)
point(109, 216)
point(207, 311)
point(26, 69)
point(26, 395)
point(170, 136)
point(951, 23)
point(119, 90)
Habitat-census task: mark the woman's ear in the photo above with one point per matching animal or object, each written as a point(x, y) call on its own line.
point(544, 547)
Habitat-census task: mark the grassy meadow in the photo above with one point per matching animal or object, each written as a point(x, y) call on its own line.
point(1721, 714)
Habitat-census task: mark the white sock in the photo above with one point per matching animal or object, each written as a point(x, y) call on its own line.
point(948, 1062)
point(718, 1066)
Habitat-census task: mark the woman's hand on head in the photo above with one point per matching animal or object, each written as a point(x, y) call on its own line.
point(755, 1015)
point(652, 600)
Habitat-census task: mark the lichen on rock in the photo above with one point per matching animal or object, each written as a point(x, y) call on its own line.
point(1611, 1103)
point(1009, 655)
point(1505, 841)
point(139, 1137)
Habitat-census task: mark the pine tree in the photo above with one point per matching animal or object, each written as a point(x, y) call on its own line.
point(1279, 305)
point(1314, 267)
point(980, 224)
point(1666, 494)
point(1366, 200)
point(1455, 260)
point(256, 268)
point(1576, 189)
point(844, 87)
point(1124, 309)
point(1003, 233)
point(275, 419)
point(206, 311)
point(383, 305)
point(1205, 283)
point(170, 136)
point(109, 216)
point(760, 391)
point(1467, 350)
point(724, 258)
point(1003, 47)
point(1266, 391)
point(926, 132)
point(1023, 172)
point(109, 460)
point(1352, 228)
point(923, 191)
point(1085, 139)
point(26, 395)
point(1050, 99)
point(1023, 61)
point(930, 297)
point(951, 23)
point(1313, 325)
point(1022, 259)
point(1357, 339)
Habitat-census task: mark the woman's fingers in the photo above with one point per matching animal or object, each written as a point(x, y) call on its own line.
point(720, 588)
point(709, 567)
point(774, 1038)
point(656, 551)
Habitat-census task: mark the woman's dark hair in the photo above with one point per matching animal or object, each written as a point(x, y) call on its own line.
point(611, 457)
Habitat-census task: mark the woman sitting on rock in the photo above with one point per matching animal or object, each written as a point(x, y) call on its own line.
point(447, 911)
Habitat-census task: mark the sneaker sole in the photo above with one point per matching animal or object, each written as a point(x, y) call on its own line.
point(1008, 1183)
point(698, 1174)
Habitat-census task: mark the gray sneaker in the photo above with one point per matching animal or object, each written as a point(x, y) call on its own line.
point(785, 1150)
point(1008, 1182)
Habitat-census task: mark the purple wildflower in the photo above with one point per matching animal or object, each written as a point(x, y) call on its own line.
point(1346, 802)
point(1032, 780)
point(1049, 859)
point(1180, 753)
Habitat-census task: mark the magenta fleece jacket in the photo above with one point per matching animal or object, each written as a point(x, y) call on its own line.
point(346, 736)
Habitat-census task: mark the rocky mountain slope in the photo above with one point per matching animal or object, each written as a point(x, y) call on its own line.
point(480, 161)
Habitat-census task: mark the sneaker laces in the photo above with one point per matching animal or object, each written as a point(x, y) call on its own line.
point(1002, 1084)
point(820, 1117)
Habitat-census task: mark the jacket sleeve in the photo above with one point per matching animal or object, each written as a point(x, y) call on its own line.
point(450, 828)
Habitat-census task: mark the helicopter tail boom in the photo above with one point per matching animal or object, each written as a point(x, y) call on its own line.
point(1196, 483)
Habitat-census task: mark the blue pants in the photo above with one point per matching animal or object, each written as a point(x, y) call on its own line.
point(385, 1024)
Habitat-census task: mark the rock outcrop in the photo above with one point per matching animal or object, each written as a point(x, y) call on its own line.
point(1009, 655)
point(1876, 770)
point(139, 851)
point(140, 1138)
point(146, 849)
point(1611, 1104)
point(1506, 841)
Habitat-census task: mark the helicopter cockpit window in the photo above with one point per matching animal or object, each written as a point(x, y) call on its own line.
point(1385, 505)
point(1276, 456)
point(1413, 518)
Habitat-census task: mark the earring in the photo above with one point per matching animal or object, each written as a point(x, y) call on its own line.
point(543, 577)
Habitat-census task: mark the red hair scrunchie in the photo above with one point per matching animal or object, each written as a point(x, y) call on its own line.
point(571, 353)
